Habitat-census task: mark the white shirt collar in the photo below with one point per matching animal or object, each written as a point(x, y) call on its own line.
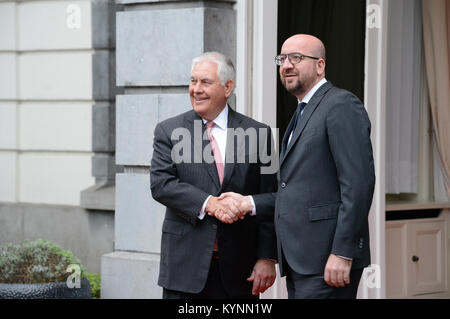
point(221, 120)
point(310, 94)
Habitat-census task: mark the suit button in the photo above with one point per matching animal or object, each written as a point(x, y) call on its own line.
point(214, 226)
point(283, 185)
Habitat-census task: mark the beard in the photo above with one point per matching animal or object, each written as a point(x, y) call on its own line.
point(293, 88)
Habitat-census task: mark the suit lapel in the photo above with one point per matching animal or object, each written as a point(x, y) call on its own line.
point(200, 142)
point(308, 111)
point(286, 136)
point(231, 149)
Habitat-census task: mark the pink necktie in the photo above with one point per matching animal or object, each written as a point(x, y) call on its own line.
point(217, 159)
point(216, 151)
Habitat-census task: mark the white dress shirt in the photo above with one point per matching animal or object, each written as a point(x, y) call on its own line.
point(219, 130)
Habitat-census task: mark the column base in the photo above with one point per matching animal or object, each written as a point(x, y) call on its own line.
point(130, 275)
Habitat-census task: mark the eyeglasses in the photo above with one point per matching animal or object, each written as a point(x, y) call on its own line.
point(294, 58)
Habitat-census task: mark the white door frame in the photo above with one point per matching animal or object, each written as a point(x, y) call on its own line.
point(256, 93)
point(375, 103)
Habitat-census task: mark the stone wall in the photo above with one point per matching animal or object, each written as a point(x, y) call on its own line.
point(56, 122)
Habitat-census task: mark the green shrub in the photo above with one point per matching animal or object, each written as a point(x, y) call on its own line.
point(36, 261)
point(95, 282)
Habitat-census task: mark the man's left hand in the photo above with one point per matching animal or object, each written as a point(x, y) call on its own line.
point(263, 275)
point(337, 271)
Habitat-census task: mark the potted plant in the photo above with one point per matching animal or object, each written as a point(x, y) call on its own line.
point(43, 270)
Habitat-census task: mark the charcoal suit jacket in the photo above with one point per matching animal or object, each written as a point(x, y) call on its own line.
point(325, 185)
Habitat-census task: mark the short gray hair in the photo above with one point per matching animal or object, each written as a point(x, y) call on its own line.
point(225, 67)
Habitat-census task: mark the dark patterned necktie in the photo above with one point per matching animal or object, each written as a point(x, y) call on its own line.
point(298, 115)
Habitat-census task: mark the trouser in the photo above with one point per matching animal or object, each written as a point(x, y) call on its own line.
point(213, 288)
point(314, 286)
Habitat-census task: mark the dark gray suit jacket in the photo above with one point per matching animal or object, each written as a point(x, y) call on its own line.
point(187, 242)
point(326, 183)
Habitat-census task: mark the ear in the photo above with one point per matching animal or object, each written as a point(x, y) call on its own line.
point(321, 67)
point(229, 86)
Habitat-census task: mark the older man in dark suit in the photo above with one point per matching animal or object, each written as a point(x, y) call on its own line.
point(326, 180)
point(209, 249)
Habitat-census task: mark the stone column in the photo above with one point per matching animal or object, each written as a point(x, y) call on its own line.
point(156, 41)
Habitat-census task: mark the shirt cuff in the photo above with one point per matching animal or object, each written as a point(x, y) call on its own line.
point(346, 258)
point(253, 213)
point(272, 260)
point(202, 213)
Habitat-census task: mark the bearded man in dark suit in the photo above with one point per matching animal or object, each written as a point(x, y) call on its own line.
point(325, 182)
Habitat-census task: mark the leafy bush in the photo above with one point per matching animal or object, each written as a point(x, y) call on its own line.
point(95, 282)
point(38, 261)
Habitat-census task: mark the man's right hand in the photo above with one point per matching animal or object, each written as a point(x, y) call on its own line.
point(226, 211)
point(244, 203)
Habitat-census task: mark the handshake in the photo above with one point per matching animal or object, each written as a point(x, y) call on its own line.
point(229, 207)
